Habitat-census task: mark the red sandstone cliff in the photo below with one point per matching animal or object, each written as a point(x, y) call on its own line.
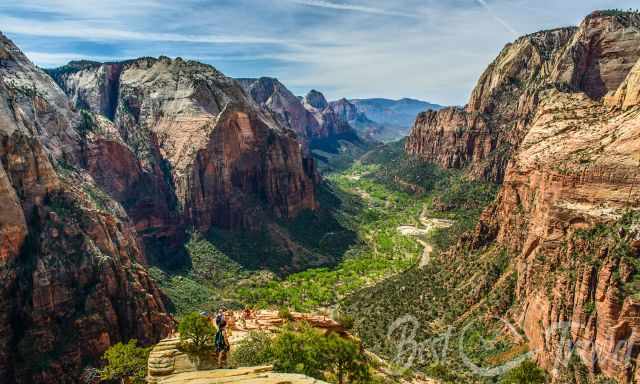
point(578, 167)
point(594, 59)
point(195, 149)
point(73, 276)
point(556, 118)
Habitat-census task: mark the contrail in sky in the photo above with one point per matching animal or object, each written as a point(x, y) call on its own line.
point(351, 7)
point(498, 18)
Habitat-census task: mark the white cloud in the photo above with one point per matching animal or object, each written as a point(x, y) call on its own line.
point(429, 49)
point(81, 30)
point(352, 7)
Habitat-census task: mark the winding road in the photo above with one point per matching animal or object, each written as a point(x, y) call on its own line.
point(429, 225)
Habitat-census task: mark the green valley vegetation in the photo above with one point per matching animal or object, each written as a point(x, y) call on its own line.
point(377, 222)
point(374, 197)
point(197, 334)
point(338, 152)
point(299, 348)
point(356, 233)
point(125, 363)
point(526, 373)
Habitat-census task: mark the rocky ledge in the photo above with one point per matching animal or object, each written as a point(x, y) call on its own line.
point(253, 375)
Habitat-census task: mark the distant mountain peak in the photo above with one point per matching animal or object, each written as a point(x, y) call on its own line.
point(316, 99)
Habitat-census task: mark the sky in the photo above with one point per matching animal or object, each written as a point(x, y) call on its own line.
point(433, 50)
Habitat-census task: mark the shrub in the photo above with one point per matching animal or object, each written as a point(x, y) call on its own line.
point(323, 356)
point(344, 360)
point(526, 373)
point(125, 363)
point(285, 314)
point(346, 321)
point(302, 349)
point(589, 307)
point(197, 334)
point(254, 350)
point(442, 373)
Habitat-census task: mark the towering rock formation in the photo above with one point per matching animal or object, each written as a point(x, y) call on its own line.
point(315, 120)
point(366, 128)
point(594, 59)
point(288, 109)
point(575, 175)
point(195, 149)
point(102, 158)
point(73, 276)
point(331, 124)
point(556, 118)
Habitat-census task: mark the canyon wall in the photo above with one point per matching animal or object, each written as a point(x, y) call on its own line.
point(73, 272)
point(100, 165)
point(204, 154)
point(593, 59)
point(556, 119)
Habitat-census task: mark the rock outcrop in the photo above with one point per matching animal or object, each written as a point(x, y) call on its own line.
point(73, 272)
point(167, 361)
point(198, 150)
point(331, 124)
point(273, 96)
point(252, 375)
point(577, 168)
point(366, 128)
point(628, 94)
point(556, 118)
point(313, 118)
point(593, 59)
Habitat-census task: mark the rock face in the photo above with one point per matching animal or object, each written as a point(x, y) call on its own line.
point(314, 120)
point(73, 276)
point(594, 59)
point(252, 375)
point(331, 124)
point(195, 149)
point(577, 168)
point(628, 94)
point(287, 108)
point(365, 127)
point(556, 118)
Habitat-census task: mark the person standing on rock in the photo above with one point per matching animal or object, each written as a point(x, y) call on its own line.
point(222, 339)
point(221, 319)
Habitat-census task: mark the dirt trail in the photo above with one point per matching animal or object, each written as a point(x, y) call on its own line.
point(429, 225)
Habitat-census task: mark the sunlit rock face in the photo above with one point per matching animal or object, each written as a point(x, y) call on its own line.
point(312, 117)
point(73, 272)
point(556, 119)
point(205, 153)
point(593, 59)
